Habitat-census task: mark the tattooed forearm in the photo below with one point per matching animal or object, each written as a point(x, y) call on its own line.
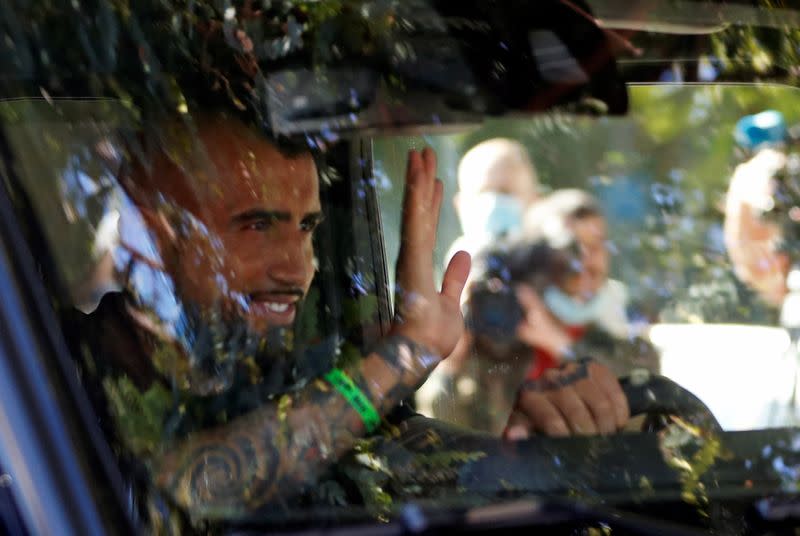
point(281, 448)
point(407, 362)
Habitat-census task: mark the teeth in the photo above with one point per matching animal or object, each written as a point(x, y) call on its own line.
point(277, 307)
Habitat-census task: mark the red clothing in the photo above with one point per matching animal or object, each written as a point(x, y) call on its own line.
point(543, 360)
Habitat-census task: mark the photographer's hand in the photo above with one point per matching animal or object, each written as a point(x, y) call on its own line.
point(577, 398)
point(539, 329)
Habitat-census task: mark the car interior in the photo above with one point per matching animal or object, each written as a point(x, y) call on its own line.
point(634, 103)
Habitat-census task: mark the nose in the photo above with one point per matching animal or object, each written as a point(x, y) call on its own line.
point(293, 264)
point(595, 261)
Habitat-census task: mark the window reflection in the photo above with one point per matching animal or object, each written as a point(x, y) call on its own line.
point(660, 178)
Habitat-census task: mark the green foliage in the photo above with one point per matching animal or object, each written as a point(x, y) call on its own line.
point(140, 417)
point(691, 452)
point(389, 470)
point(348, 357)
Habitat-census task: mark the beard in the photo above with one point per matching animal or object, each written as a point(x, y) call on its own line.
point(212, 351)
point(225, 354)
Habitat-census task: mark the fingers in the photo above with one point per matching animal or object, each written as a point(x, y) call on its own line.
point(541, 414)
point(421, 175)
point(414, 196)
point(576, 399)
point(422, 198)
point(455, 277)
point(572, 405)
point(429, 161)
point(603, 417)
point(518, 427)
point(535, 310)
point(605, 381)
point(539, 329)
point(423, 194)
point(583, 410)
point(528, 298)
point(429, 169)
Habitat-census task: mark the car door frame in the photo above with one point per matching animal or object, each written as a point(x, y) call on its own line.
point(64, 479)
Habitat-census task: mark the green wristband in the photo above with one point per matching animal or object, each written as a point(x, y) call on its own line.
point(342, 383)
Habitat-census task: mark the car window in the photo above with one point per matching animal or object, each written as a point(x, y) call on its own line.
point(660, 190)
point(215, 195)
point(660, 177)
point(103, 264)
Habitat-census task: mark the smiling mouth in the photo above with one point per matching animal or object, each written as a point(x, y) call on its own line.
point(277, 309)
point(274, 313)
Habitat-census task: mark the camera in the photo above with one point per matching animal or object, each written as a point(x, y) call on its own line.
point(492, 311)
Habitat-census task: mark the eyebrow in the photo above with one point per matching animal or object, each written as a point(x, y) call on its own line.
point(258, 214)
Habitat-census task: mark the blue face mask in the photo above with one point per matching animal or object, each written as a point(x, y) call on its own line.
point(490, 213)
point(571, 311)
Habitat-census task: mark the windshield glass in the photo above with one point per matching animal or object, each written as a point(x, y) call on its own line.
point(251, 217)
point(661, 181)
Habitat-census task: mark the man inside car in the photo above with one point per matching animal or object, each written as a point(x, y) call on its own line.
point(232, 219)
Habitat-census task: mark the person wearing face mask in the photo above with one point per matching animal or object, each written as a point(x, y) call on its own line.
point(544, 299)
point(570, 306)
point(538, 299)
point(497, 182)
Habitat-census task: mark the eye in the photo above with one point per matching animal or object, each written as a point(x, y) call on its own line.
point(309, 225)
point(258, 225)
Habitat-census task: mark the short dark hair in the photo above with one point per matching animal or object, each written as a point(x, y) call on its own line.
point(140, 147)
point(150, 125)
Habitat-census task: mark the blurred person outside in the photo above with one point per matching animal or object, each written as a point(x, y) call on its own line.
point(497, 182)
point(545, 299)
point(762, 228)
point(755, 226)
point(754, 240)
point(538, 300)
point(572, 308)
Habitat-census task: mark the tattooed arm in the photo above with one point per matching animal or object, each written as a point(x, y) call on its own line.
point(277, 450)
point(281, 448)
point(582, 397)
